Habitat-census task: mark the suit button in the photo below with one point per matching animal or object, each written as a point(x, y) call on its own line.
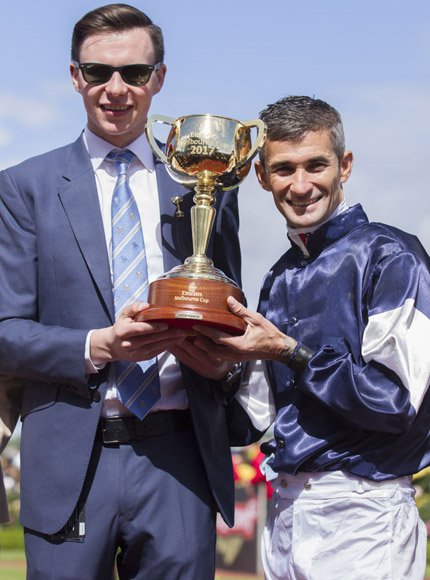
point(96, 396)
point(281, 444)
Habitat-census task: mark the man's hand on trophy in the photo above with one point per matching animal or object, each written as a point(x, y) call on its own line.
point(202, 362)
point(133, 341)
point(261, 339)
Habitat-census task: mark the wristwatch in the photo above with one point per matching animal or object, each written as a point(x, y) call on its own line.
point(232, 378)
point(300, 357)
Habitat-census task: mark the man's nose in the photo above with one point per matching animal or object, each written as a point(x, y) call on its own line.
point(300, 184)
point(115, 85)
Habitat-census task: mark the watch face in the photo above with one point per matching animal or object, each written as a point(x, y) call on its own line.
point(233, 375)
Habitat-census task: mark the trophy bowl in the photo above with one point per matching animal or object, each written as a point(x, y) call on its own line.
point(209, 154)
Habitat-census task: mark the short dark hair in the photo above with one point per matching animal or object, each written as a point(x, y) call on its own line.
point(114, 17)
point(290, 118)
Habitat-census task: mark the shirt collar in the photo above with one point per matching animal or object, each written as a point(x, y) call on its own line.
point(335, 228)
point(98, 148)
point(294, 233)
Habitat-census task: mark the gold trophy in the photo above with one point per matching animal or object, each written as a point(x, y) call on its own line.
point(209, 154)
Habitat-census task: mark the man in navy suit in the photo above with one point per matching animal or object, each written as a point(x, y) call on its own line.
point(97, 482)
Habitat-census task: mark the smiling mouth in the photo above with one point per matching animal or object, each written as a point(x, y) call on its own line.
point(303, 203)
point(115, 108)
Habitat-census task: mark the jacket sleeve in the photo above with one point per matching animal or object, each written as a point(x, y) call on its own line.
point(51, 354)
point(383, 390)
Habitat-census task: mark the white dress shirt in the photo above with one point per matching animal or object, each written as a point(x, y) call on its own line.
point(143, 183)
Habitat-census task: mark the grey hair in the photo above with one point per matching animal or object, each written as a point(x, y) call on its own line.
point(290, 118)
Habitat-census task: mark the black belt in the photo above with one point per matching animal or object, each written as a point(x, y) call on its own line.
point(127, 429)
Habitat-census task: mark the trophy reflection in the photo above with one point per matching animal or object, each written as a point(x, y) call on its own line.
point(209, 154)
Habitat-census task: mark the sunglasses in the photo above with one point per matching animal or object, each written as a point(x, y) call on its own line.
point(96, 73)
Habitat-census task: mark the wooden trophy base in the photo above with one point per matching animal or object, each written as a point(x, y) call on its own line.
point(184, 302)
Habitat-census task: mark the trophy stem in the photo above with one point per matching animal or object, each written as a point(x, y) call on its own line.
point(203, 214)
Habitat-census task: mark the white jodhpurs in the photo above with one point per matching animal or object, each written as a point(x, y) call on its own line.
point(335, 526)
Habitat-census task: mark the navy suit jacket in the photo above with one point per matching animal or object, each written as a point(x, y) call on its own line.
point(55, 286)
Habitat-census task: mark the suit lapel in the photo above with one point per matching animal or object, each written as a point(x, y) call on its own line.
point(78, 196)
point(175, 233)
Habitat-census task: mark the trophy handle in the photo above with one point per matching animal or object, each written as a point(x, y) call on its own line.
point(261, 133)
point(150, 134)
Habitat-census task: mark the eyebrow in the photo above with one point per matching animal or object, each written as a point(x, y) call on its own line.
point(319, 159)
point(287, 163)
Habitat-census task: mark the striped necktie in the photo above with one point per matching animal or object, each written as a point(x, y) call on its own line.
point(138, 384)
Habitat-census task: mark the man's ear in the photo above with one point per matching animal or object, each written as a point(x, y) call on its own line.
point(159, 79)
point(262, 176)
point(74, 72)
point(346, 166)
